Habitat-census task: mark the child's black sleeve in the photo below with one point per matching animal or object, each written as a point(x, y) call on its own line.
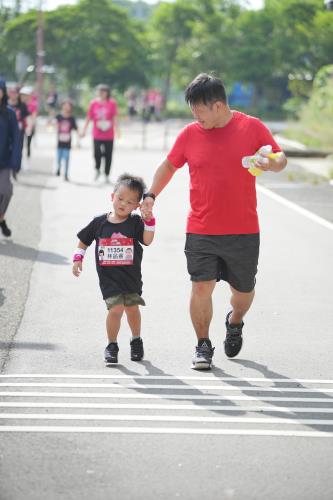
point(88, 233)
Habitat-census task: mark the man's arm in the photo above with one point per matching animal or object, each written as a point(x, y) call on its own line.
point(162, 177)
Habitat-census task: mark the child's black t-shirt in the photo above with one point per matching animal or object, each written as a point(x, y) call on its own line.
point(118, 253)
point(65, 127)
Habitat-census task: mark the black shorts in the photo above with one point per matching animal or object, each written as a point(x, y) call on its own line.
point(231, 257)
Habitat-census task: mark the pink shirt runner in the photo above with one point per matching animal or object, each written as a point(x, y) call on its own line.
point(102, 113)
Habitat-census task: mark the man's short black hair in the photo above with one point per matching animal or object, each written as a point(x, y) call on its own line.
point(205, 89)
point(131, 182)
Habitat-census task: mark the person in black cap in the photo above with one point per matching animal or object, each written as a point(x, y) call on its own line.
point(10, 154)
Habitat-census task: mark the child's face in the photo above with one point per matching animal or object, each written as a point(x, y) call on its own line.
point(125, 200)
point(66, 108)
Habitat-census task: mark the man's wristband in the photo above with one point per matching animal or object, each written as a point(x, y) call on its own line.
point(149, 195)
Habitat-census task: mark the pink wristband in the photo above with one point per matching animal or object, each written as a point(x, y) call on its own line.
point(77, 258)
point(151, 222)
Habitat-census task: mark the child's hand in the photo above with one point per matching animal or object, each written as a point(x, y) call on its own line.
point(77, 268)
point(146, 213)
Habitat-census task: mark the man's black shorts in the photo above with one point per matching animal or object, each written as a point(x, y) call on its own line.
point(231, 257)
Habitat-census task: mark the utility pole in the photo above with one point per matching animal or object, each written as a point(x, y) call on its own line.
point(40, 52)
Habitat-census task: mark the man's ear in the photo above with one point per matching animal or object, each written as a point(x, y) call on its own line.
point(112, 196)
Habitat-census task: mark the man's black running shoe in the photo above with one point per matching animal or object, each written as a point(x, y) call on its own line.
point(233, 340)
point(137, 349)
point(5, 229)
point(203, 356)
point(111, 353)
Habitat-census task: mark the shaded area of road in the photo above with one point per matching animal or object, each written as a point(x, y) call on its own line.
point(18, 253)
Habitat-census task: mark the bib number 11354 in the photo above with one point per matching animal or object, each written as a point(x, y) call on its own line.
point(115, 251)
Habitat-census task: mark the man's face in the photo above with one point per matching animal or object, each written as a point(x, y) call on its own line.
point(207, 114)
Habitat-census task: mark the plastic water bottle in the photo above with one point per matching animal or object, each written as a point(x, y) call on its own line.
point(249, 161)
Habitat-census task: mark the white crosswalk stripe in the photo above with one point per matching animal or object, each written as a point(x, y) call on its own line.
point(236, 406)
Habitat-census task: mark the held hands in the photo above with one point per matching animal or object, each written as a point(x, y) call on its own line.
point(146, 209)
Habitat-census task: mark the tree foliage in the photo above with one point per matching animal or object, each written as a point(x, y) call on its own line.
point(278, 49)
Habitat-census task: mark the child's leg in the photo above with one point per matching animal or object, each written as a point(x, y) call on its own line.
point(59, 155)
point(113, 321)
point(134, 319)
point(66, 159)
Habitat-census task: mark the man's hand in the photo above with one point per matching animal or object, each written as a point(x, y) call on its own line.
point(264, 163)
point(274, 162)
point(77, 268)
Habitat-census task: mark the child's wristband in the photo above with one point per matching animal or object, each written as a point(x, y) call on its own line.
point(79, 255)
point(149, 225)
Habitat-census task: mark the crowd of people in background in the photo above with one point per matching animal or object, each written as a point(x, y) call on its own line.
point(148, 103)
point(18, 121)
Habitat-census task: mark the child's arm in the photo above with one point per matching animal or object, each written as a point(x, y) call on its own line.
point(149, 230)
point(78, 258)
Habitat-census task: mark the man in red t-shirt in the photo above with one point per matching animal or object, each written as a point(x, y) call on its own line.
point(222, 240)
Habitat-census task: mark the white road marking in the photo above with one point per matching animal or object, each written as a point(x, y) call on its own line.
point(165, 377)
point(187, 407)
point(168, 387)
point(164, 430)
point(306, 213)
point(166, 418)
point(158, 396)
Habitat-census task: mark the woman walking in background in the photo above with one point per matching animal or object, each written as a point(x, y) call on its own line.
point(10, 154)
point(102, 112)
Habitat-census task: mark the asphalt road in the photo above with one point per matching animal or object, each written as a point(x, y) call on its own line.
point(256, 427)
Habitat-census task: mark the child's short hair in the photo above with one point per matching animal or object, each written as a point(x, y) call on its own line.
point(131, 182)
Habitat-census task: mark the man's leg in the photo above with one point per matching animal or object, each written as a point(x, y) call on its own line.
point(201, 307)
point(240, 303)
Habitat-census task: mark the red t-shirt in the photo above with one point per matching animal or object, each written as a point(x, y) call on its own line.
point(222, 192)
point(102, 113)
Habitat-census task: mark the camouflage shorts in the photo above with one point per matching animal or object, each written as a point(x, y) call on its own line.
point(127, 299)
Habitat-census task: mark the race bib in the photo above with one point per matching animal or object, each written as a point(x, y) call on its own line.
point(103, 125)
point(64, 137)
point(115, 251)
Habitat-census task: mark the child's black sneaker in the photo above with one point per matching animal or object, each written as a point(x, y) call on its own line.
point(137, 349)
point(111, 353)
point(5, 229)
point(233, 340)
point(203, 356)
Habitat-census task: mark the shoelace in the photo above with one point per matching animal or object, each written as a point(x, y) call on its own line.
point(204, 350)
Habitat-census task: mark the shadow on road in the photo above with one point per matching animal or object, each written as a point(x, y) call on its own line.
point(11, 249)
point(2, 296)
point(271, 375)
point(268, 374)
point(36, 346)
point(155, 371)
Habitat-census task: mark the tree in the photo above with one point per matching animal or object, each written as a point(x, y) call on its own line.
point(87, 43)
